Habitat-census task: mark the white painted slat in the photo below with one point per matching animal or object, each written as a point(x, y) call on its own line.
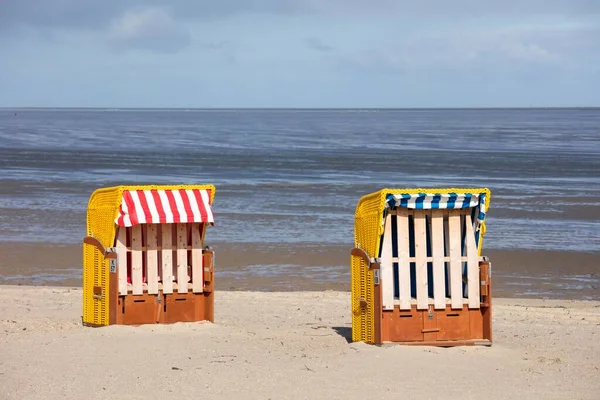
point(136, 259)
point(152, 258)
point(437, 253)
point(403, 263)
point(455, 263)
point(387, 268)
point(431, 303)
point(197, 260)
point(121, 248)
point(472, 265)
point(421, 259)
point(430, 259)
point(182, 259)
point(447, 250)
point(167, 258)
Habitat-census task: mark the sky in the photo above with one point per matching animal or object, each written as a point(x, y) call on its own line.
point(299, 53)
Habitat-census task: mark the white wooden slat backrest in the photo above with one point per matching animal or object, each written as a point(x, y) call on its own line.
point(436, 270)
point(160, 257)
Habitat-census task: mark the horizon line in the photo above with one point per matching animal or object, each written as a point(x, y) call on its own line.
point(114, 108)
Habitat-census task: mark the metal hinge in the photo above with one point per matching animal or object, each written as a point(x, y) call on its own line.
point(362, 302)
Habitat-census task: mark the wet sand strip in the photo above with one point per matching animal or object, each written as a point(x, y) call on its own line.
point(291, 267)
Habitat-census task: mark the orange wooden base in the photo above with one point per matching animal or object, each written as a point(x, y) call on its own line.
point(164, 308)
point(442, 327)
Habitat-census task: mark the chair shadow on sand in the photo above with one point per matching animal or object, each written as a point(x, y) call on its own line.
point(344, 331)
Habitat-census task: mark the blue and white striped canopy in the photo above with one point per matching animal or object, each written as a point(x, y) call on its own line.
point(432, 201)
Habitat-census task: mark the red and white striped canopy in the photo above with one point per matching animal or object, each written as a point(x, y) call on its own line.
point(164, 206)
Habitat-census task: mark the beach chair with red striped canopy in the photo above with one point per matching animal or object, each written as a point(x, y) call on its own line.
point(144, 259)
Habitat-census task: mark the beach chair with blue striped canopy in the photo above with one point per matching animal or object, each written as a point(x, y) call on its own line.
point(418, 276)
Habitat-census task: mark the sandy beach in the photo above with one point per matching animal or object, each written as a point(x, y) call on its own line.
point(288, 345)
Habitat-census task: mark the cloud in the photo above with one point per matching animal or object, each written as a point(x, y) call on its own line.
point(95, 14)
point(506, 50)
point(318, 45)
point(462, 9)
point(45, 14)
point(151, 28)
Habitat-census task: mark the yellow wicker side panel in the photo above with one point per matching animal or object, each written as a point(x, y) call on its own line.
point(88, 283)
point(369, 213)
point(102, 209)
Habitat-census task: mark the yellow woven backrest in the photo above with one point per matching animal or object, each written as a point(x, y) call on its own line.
point(103, 208)
point(368, 228)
